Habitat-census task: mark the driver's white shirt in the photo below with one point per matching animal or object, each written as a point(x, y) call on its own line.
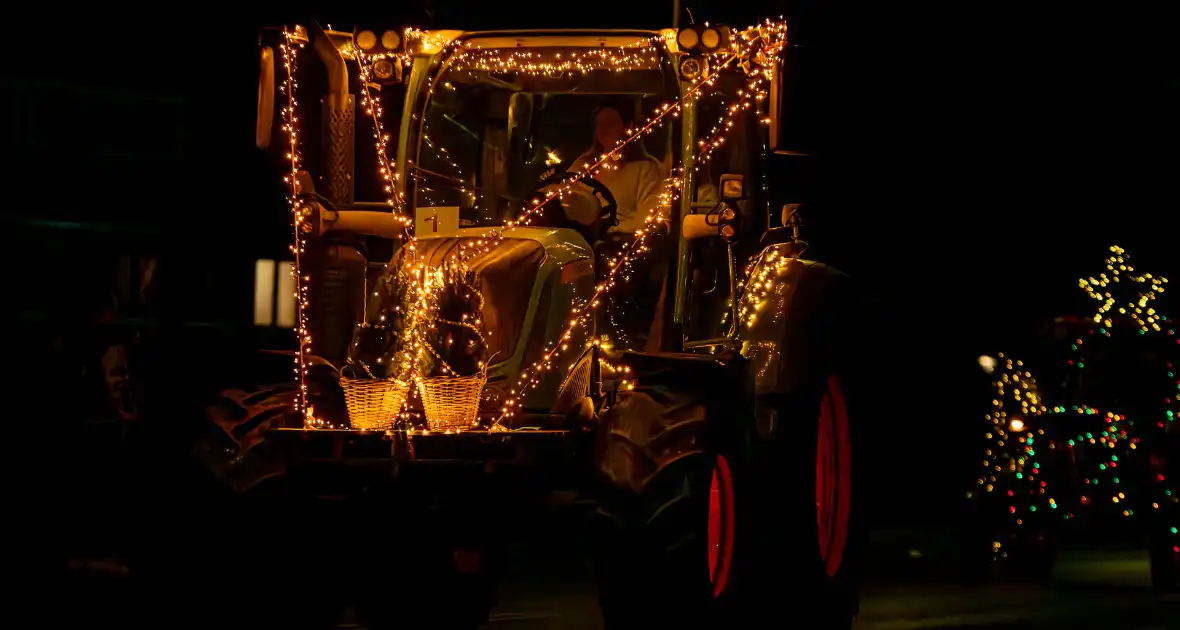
point(635, 185)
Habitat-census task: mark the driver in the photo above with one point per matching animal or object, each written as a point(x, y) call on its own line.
point(632, 175)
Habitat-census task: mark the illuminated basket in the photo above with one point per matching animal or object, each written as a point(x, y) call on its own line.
point(374, 403)
point(451, 402)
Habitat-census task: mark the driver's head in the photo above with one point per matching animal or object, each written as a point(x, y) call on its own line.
point(611, 120)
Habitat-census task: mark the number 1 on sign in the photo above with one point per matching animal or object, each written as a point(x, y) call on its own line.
point(436, 220)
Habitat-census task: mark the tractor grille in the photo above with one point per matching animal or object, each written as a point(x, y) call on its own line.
point(576, 385)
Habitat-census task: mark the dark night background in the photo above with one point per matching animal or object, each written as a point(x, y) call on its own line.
point(972, 159)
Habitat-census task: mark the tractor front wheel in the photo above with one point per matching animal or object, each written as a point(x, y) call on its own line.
point(672, 506)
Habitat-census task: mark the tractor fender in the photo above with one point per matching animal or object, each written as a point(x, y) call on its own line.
point(797, 334)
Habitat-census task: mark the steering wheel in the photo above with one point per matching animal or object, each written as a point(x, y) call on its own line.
point(553, 213)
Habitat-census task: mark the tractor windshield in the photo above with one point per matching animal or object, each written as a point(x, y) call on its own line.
point(496, 119)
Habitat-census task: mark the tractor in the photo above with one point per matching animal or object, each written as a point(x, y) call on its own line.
point(700, 401)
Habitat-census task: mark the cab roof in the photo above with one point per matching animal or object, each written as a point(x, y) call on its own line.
point(527, 38)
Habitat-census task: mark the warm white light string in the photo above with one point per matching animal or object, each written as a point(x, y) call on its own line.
point(290, 119)
point(529, 376)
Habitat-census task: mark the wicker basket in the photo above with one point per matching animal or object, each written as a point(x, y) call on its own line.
point(374, 403)
point(451, 402)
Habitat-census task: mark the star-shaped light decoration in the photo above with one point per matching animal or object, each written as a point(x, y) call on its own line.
point(1121, 271)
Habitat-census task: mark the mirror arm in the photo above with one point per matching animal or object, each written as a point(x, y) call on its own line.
point(367, 222)
point(733, 294)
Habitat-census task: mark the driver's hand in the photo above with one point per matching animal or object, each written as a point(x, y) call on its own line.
point(579, 202)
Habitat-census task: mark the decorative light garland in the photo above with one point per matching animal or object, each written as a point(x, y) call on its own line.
point(757, 289)
point(642, 54)
point(458, 177)
point(579, 316)
point(774, 39)
point(290, 120)
point(671, 192)
point(754, 90)
point(528, 377)
point(385, 166)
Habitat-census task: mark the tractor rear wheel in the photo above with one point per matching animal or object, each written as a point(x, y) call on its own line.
point(812, 529)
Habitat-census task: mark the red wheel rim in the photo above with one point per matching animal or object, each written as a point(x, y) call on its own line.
point(720, 525)
point(833, 477)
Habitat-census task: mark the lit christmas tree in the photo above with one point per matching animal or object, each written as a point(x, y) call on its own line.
point(1016, 489)
point(1108, 431)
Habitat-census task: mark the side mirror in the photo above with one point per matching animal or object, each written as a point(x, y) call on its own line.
point(733, 187)
point(264, 122)
point(790, 215)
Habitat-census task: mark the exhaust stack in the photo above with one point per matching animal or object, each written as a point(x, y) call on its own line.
point(339, 123)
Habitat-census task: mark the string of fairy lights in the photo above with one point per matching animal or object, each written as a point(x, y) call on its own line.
point(580, 315)
point(386, 168)
point(427, 283)
point(529, 377)
point(774, 33)
point(771, 35)
point(638, 56)
point(1100, 445)
point(758, 288)
point(755, 90)
point(290, 120)
point(458, 178)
